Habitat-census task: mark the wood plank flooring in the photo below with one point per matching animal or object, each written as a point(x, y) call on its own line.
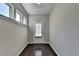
point(38, 50)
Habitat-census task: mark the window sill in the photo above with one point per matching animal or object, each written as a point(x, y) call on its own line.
point(11, 20)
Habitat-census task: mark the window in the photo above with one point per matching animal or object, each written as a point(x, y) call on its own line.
point(38, 32)
point(25, 20)
point(4, 9)
point(7, 10)
point(11, 10)
point(18, 16)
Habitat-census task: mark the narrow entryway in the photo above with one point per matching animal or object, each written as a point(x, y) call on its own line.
point(38, 50)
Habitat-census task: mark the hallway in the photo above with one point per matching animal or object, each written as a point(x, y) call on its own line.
point(33, 26)
point(38, 50)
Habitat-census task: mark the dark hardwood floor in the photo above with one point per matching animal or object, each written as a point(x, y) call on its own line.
point(38, 50)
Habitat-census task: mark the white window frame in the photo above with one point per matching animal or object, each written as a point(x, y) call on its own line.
point(37, 32)
point(12, 14)
point(11, 10)
point(21, 16)
point(24, 19)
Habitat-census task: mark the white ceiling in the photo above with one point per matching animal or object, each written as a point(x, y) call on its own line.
point(34, 8)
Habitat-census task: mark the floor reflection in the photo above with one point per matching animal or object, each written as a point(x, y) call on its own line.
point(38, 53)
point(38, 50)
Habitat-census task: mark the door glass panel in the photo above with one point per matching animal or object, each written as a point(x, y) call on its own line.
point(38, 32)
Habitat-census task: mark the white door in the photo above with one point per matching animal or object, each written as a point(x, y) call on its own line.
point(39, 32)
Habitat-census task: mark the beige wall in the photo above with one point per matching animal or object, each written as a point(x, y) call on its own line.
point(13, 37)
point(64, 29)
point(34, 19)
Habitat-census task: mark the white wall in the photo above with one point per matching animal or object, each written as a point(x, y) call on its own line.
point(34, 19)
point(13, 37)
point(64, 29)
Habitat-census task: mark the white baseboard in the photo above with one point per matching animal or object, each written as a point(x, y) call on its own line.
point(54, 49)
point(22, 49)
